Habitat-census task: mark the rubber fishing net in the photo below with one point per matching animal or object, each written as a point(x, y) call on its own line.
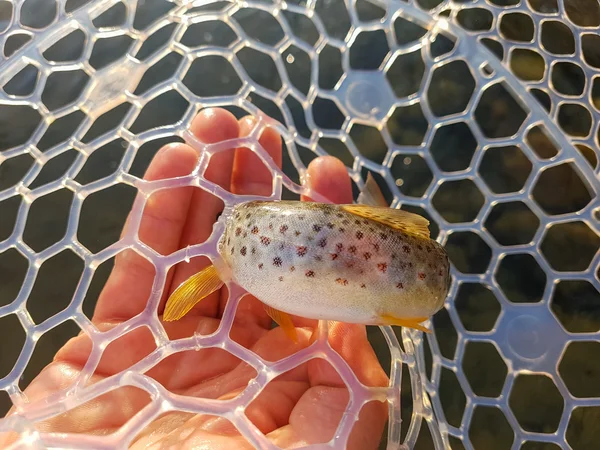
point(482, 116)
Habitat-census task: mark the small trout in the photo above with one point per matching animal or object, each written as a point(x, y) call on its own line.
point(363, 263)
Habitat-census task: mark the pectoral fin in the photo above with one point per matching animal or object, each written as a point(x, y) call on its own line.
point(284, 321)
point(190, 292)
point(413, 322)
point(371, 194)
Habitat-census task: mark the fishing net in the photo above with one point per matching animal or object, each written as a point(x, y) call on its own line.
point(482, 116)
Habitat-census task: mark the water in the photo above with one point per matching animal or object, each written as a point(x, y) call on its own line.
point(506, 172)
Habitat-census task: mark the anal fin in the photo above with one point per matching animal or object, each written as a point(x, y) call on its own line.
point(190, 292)
point(412, 322)
point(284, 321)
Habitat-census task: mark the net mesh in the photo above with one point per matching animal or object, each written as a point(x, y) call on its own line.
point(483, 116)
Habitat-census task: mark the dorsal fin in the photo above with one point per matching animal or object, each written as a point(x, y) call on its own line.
point(371, 193)
point(395, 218)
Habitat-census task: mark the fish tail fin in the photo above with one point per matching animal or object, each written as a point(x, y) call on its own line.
point(413, 322)
point(190, 292)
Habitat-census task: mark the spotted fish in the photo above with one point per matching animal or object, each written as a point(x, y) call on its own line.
point(358, 263)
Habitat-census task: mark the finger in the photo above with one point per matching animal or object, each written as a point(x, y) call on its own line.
point(328, 176)
point(252, 177)
point(128, 287)
point(209, 126)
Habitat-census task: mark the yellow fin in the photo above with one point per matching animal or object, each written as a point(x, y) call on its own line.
point(414, 322)
point(284, 321)
point(190, 292)
point(371, 193)
point(395, 218)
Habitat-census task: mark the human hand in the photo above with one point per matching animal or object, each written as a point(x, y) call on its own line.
point(301, 407)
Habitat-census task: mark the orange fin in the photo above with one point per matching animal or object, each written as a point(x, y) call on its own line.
point(413, 322)
point(371, 193)
point(284, 321)
point(395, 218)
point(190, 292)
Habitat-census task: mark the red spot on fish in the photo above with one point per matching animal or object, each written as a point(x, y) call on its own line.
point(363, 285)
point(255, 230)
point(359, 235)
point(367, 256)
point(349, 265)
point(352, 249)
point(342, 281)
point(301, 250)
point(400, 286)
point(382, 267)
point(317, 228)
point(238, 231)
point(283, 229)
point(260, 266)
point(339, 247)
point(277, 261)
point(310, 274)
point(421, 276)
point(243, 251)
point(406, 249)
point(265, 240)
point(323, 243)
point(333, 256)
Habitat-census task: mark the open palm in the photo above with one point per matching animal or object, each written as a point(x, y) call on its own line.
point(301, 407)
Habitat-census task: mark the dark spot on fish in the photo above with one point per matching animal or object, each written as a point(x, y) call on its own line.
point(297, 233)
point(330, 226)
point(376, 246)
point(342, 281)
point(382, 267)
point(264, 240)
point(318, 258)
point(363, 285)
point(270, 226)
point(421, 276)
point(248, 215)
point(283, 229)
point(410, 264)
point(255, 230)
point(238, 231)
point(333, 256)
point(441, 273)
point(301, 250)
point(352, 249)
point(253, 250)
point(260, 266)
point(277, 261)
point(419, 247)
point(243, 251)
point(406, 249)
point(228, 240)
point(292, 268)
point(245, 234)
point(371, 229)
point(359, 235)
point(393, 256)
point(342, 230)
point(340, 215)
point(339, 247)
point(383, 236)
point(323, 243)
point(430, 265)
point(356, 222)
point(310, 274)
point(317, 228)
point(273, 216)
point(350, 265)
point(232, 249)
point(367, 256)
point(429, 249)
point(301, 217)
point(400, 286)
point(280, 278)
point(366, 221)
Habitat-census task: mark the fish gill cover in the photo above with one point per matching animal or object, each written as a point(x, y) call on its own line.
point(483, 116)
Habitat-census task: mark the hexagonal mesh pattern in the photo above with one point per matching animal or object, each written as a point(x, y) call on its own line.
point(483, 116)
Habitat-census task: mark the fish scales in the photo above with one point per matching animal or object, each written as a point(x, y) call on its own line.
point(312, 259)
